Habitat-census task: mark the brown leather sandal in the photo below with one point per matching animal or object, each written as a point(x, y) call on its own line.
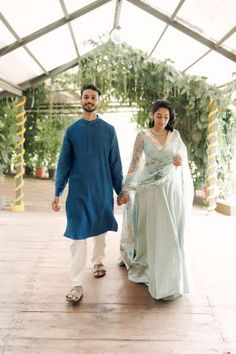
point(99, 270)
point(75, 294)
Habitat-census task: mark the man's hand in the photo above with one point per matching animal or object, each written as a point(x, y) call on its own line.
point(55, 204)
point(122, 199)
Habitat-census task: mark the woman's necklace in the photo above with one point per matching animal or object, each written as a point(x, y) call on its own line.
point(161, 133)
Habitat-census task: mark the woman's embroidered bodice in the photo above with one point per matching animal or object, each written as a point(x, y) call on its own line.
point(151, 161)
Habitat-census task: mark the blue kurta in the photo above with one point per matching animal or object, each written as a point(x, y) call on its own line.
point(90, 161)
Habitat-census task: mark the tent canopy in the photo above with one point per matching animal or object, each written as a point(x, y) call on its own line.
point(42, 38)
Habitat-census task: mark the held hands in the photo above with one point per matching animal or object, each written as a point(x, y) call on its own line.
point(55, 204)
point(122, 199)
point(177, 161)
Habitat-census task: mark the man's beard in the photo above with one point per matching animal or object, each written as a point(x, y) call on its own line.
point(89, 109)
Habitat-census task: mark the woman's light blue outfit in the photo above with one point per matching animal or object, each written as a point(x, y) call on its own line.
point(154, 223)
point(90, 161)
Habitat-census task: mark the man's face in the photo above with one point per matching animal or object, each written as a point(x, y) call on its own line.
point(89, 100)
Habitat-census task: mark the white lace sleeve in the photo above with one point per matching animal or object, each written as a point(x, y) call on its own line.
point(131, 177)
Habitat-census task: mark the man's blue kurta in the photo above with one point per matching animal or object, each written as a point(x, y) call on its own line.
point(90, 161)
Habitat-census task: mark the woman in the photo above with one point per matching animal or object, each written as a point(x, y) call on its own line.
point(159, 193)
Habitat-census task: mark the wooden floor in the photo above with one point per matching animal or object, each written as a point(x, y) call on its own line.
point(115, 315)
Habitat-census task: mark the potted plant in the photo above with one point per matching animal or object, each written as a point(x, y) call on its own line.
point(39, 159)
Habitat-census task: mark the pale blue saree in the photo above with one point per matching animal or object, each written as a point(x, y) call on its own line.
point(154, 222)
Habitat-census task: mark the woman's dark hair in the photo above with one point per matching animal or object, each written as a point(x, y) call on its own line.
point(164, 104)
point(90, 87)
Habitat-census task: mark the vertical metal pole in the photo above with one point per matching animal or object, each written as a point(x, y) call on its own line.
point(18, 204)
point(212, 152)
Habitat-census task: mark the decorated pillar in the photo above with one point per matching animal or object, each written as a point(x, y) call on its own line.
point(18, 204)
point(212, 151)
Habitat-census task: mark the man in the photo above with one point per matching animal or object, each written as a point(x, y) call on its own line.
point(90, 161)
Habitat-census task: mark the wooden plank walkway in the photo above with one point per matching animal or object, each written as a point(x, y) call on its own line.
point(115, 315)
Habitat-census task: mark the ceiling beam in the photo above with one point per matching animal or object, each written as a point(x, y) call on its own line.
point(52, 74)
point(19, 40)
point(51, 27)
point(222, 40)
point(11, 88)
point(228, 84)
point(70, 27)
point(30, 83)
point(58, 70)
point(116, 21)
point(178, 7)
point(179, 26)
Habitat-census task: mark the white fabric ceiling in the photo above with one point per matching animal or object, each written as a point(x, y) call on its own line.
point(39, 38)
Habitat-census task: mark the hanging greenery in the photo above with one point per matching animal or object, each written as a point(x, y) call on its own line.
point(128, 76)
point(225, 156)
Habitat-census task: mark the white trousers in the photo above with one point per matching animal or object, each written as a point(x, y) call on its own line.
point(79, 257)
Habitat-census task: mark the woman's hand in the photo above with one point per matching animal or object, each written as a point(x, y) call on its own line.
point(122, 199)
point(177, 161)
point(55, 204)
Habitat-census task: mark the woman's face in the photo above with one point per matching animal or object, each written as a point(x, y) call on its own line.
point(161, 118)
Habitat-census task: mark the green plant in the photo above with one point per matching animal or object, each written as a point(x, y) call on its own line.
point(128, 76)
point(51, 133)
point(45, 127)
point(227, 133)
point(8, 130)
point(34, 148)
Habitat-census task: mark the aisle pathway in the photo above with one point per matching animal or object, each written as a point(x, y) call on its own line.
point(115, 315)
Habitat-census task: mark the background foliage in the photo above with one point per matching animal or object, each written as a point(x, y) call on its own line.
point(128, 77)
point(8, 130)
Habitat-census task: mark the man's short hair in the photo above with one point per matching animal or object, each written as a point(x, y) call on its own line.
point(90, 87)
